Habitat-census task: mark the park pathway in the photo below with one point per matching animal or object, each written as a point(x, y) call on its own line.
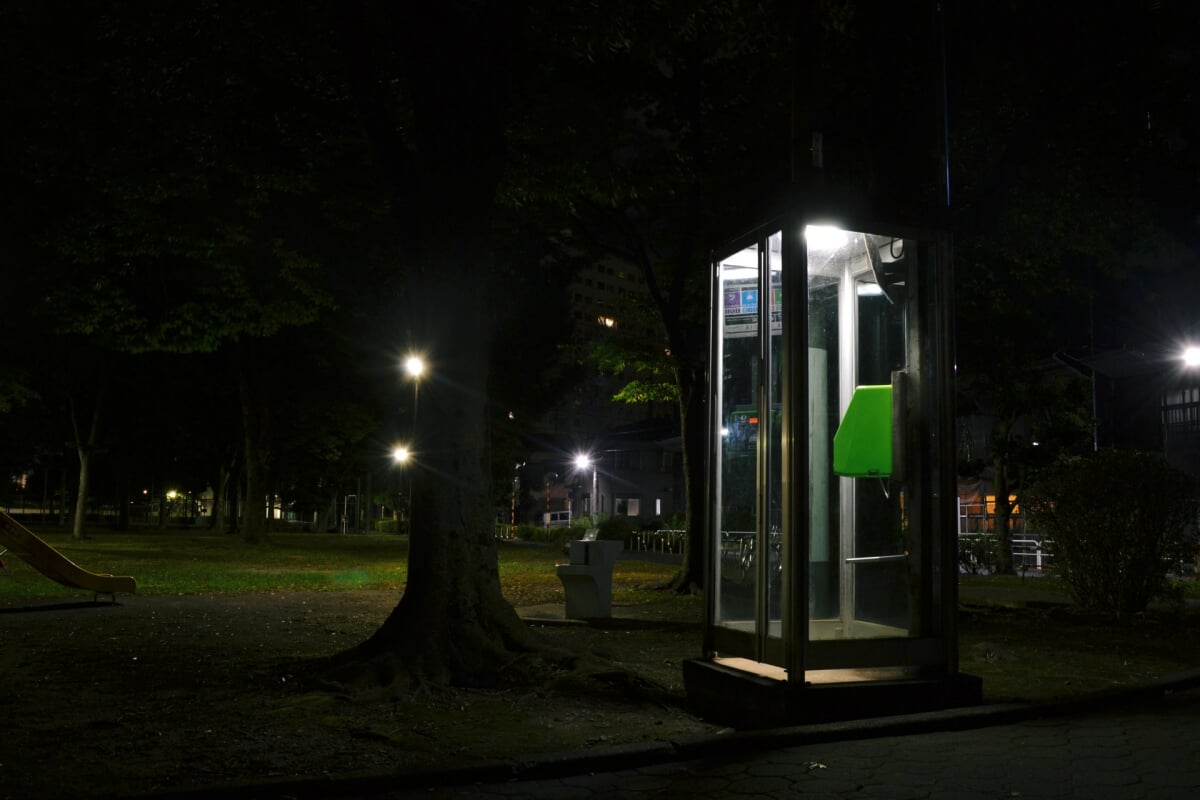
point(1144, 751)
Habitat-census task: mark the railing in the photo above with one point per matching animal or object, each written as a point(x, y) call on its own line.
point(976, 552)
point(1030, 551)
point(661, 541)
point(738, 556)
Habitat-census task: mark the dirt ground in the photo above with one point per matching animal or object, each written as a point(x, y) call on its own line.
point(155, 693)
point(160, 693)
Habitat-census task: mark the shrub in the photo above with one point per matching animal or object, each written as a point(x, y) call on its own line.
point(1116, 521)
point(977, 553)
point(615, 528)
point(532, 533)
point(673, 522)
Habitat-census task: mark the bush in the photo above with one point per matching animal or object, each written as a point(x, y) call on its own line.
point(557, 533)
point(977, 553)
point(531, 533)
point(615, 528)
point(673, 522)
point(1116, 520)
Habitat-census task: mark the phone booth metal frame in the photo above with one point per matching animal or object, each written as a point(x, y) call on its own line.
point(830, 542)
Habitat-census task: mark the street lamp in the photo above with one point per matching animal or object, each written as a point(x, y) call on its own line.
point(516, 489)
point(414, 365)
point(582, 462)
point(550, 477)
point(1191, 356)
point(401, 455)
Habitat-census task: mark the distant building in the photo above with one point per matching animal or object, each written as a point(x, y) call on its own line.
point(638, 474)
point(1181, 427)
point(639, 467)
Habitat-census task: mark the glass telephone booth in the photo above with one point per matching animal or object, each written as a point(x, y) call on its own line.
point(830, 547)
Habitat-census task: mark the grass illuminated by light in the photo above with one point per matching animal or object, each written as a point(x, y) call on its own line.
point(199, 562)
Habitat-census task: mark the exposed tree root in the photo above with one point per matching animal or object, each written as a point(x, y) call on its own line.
point(409, 653)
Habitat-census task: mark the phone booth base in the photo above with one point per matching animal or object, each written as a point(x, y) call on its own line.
point(743, 698)
point(830, 543)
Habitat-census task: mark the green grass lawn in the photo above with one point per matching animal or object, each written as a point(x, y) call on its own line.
point(1050, 583)
point(198, 562)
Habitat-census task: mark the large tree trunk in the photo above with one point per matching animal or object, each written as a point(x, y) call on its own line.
point(84, 446)
point(256, 450)
point(1001, 434)
point(121, 498)
point(81, 497)
point(452, 623)
point(694, 423)
point(220, 498)
point(329, 520)
point(1002, 517)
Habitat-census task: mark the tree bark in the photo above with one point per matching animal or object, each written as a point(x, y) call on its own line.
point(81, 497)
point(452, 623)
point(693, 422)
point(84, 447)
point(1003, 485)
point(220, 498)
point(256, 452)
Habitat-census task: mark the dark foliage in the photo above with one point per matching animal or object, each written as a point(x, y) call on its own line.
point(1118, 520)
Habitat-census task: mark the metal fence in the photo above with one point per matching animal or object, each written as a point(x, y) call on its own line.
point(1031, 552)
point(661, 541)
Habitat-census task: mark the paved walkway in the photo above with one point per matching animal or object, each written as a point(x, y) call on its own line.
point(1149, 750)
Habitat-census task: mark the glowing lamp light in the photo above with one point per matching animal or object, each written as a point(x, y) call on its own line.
point(414, 366)
point(400, 455)
point(824, 237)
point(1191, 356)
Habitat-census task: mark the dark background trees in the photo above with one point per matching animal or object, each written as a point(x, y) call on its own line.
point(651, 160)
point(183, 191)
point(1069, 156)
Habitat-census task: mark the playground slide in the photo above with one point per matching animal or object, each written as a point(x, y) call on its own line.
point(20, 541)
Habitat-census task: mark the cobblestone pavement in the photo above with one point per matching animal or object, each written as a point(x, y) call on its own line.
point(1144, 751)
